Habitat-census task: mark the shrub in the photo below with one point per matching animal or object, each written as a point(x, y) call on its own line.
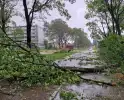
point(111, 49)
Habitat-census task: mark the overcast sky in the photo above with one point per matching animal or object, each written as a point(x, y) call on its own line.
point(76, 10)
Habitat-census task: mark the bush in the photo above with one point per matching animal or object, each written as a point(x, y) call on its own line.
point(111, 49)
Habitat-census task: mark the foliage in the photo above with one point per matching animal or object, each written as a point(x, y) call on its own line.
point(65, 95)
point(18, 34)
point(116, 9)
point(57, 31)
point(111, 49)
point(105, 17)
point(6, 12)
point(80, 38)
point(98, 18)
point(30, 68)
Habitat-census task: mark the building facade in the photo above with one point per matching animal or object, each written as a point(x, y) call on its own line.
point(19, 34)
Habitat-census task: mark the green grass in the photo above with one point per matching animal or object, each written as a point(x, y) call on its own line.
point(62, 54)
point(58, 55)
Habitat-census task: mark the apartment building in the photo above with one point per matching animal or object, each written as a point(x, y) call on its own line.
point(19, 34)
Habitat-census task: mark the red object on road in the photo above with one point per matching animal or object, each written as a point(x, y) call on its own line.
point(69, 46)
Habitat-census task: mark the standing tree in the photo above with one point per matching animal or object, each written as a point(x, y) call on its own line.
point(46, 28)
point(106, 15)
point(6, 12)
point(18, 34)
point(116, 10)
point(96, 32)
point(99, 19)
point(80, 38)
point(58, 31)
point(43, 7)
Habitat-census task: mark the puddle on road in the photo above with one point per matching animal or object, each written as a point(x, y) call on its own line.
point(69, 63)
point(84, 54)
point(79, 55)
point(80, 60)
point(79, 63)
point(89, 91)
point(95, 92)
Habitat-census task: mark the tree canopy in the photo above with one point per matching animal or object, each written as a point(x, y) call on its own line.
point(7, 10)
point(80, 38)
point(105, 17)
point(59, 31)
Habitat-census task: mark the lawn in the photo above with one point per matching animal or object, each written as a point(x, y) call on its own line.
point(59, 55)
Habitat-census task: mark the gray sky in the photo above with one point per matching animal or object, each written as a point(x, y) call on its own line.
point(76, 10)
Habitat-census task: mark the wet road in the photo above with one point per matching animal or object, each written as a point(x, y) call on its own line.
point(86, 90)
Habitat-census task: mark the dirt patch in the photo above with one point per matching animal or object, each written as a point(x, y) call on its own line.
point(12, 92)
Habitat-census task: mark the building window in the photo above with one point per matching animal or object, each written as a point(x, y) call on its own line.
point(33, 33)
point(33, 37)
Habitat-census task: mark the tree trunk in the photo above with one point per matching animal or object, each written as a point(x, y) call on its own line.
point(113, 26)
point(107, 23)
point(118, 27)
point(65, 43)
point(29, 36)
point(59, 43)
point(29, 23)
point(3, 24)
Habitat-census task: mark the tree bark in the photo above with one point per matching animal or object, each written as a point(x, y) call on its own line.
point(115, 16)
point(29, 36)
point(107, 23)
point(28, 24)
point(3, 24)
point(118, 27)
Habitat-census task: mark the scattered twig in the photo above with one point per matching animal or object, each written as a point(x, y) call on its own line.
point(55, 93)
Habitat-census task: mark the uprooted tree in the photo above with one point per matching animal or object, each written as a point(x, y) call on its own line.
point(28, 67)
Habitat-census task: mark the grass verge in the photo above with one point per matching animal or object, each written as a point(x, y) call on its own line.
point(59, 55)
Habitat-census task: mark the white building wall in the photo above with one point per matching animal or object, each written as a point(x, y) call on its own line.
point(37, 34)
point(41, 37)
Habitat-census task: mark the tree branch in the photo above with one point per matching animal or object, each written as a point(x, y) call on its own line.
point(33, 7)
point(43, 5)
